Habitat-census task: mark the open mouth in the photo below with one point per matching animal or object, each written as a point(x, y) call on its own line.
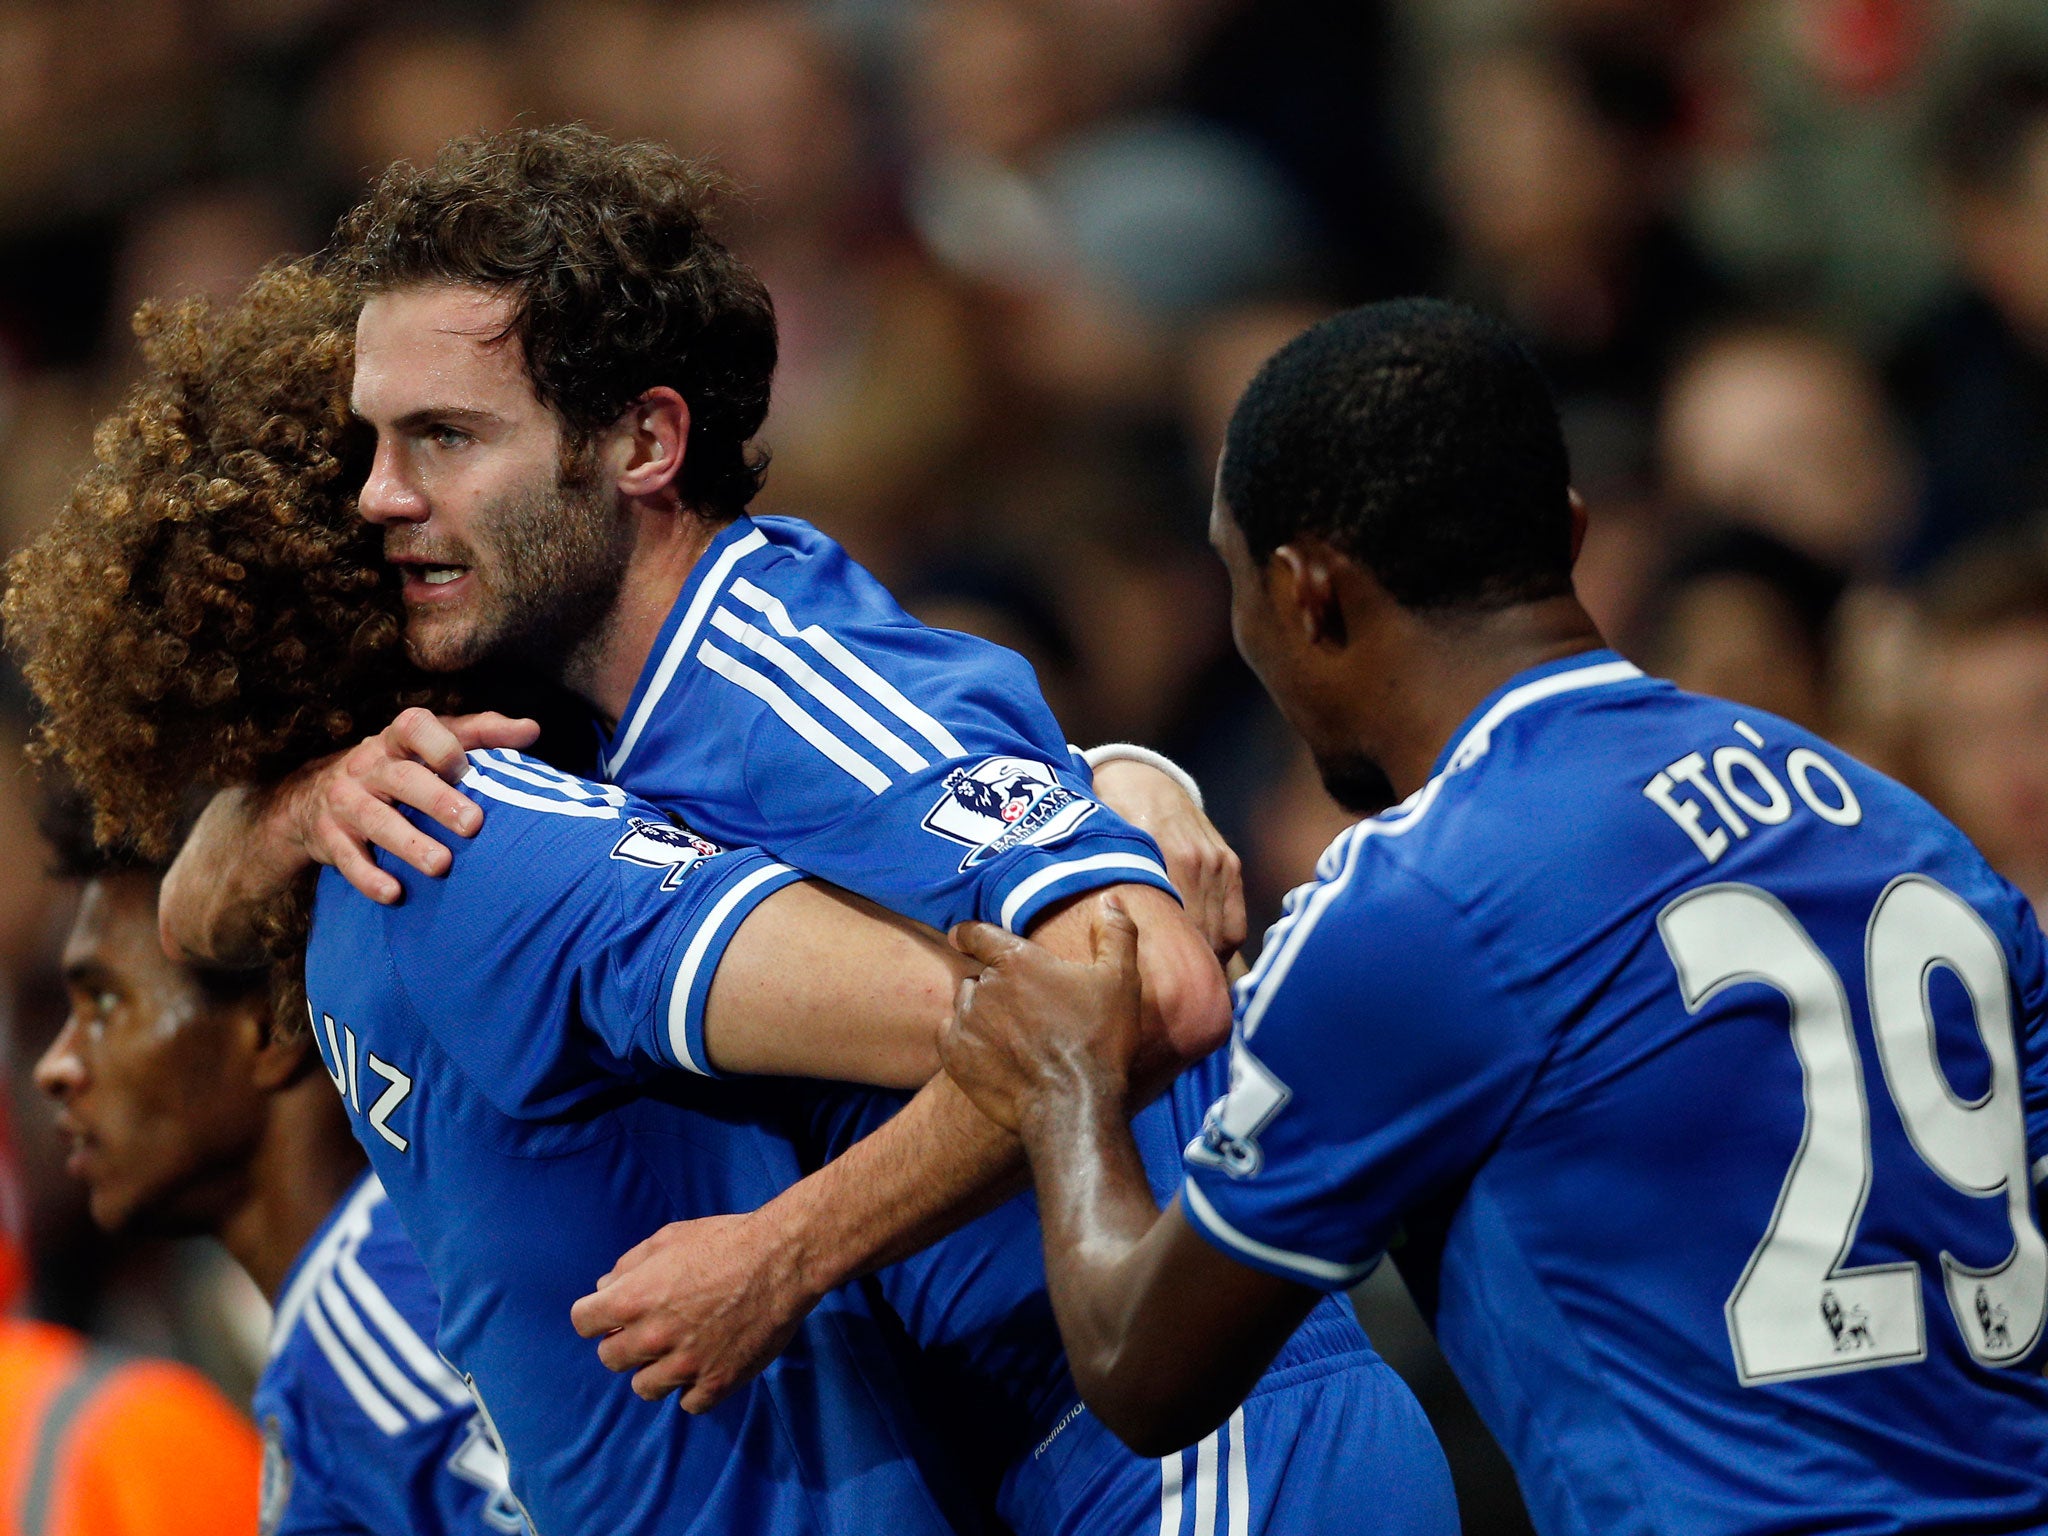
point(429, 582)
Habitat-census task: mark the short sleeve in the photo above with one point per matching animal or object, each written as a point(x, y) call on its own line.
point(572, 944)
point(998, 838)
point(1372, 1066)
point(793, 706)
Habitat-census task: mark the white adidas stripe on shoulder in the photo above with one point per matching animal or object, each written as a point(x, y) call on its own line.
point(1305, 906)
point(497, 776)
point(391, 1326)
point(679, 645)
point(353, 1216)
point(810, 701)
point(792, 714)
point(826, 692)
point(877, 687)
point(379, 1358)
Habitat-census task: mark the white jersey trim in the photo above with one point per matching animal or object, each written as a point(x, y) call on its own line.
point(358, 1330)
point(679, 645)
point(1022, 892)
point(2041, 1171)
point(794, 716)
point(1304, 1264)
point(1479, 739)
point(693, 961)
point(879, 688)
point(1291, 933)
point(821, 688)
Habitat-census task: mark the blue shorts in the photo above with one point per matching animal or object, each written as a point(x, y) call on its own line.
point(1330, 1445)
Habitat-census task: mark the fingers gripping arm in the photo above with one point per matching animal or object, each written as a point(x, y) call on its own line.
point(1165, 1333)
point(250, 844)
point(703, 1306)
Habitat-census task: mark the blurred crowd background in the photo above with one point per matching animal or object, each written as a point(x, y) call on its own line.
point(1786, 262)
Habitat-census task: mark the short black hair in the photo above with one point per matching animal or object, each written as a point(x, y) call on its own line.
point(65, 820)
point(1419, 438)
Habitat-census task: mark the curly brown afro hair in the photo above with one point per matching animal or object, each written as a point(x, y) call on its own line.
point(208, 609)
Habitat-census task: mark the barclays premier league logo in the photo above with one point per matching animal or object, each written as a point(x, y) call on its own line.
point(658, 845)
point(1002, 803)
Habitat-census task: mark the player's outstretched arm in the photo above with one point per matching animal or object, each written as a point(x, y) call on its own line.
point(250, 844)
point(820, 983)
point(1164, 1332)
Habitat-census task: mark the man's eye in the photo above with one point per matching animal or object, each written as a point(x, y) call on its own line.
point(104, 1003)
point(447, 437)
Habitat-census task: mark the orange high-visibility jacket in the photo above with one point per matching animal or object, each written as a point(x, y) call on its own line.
point(93, 1444)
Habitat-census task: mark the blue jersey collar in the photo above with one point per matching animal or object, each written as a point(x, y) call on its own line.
point(678, 633)
point(1587, 669)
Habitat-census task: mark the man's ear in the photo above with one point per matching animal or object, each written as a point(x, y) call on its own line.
point(1302, 579)
point(1578, 524)
point(280, 1056)
point(646, 444)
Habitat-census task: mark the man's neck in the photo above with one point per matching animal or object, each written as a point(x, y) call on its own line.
point(667, 546)
point(303, 1165)
point(1449, 669)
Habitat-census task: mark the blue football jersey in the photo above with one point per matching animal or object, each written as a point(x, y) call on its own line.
point(790, 704)
point(976, 1305)
point(366, 1430)
point(507, 1041)
point(1700, 1069)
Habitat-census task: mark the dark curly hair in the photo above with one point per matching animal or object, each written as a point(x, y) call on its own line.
point(208, 609)
point(617, 284)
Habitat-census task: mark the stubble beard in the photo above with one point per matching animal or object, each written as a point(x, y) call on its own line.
point(549, 576)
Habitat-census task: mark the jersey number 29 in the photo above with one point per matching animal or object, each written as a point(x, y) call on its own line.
point(1797, 1311)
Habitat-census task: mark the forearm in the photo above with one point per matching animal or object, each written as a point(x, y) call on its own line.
point(929, 1171)
point(1095, 1205)
point(1186, 1001)
point(822, 984)
point(231, 867)
point(1164, 1334)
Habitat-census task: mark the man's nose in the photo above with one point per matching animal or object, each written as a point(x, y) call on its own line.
point(390, 494)
point(61, 1071)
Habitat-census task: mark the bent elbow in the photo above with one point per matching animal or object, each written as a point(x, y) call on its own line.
point(1192, 1000)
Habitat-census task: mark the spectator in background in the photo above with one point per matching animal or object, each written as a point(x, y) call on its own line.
point(1981, 746)
point(1780, 426)
point(96, 1444)
point(1092, 220)
point(874, 391)
point(1743, 616)
point(1557, 163)
point(1974, 382)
